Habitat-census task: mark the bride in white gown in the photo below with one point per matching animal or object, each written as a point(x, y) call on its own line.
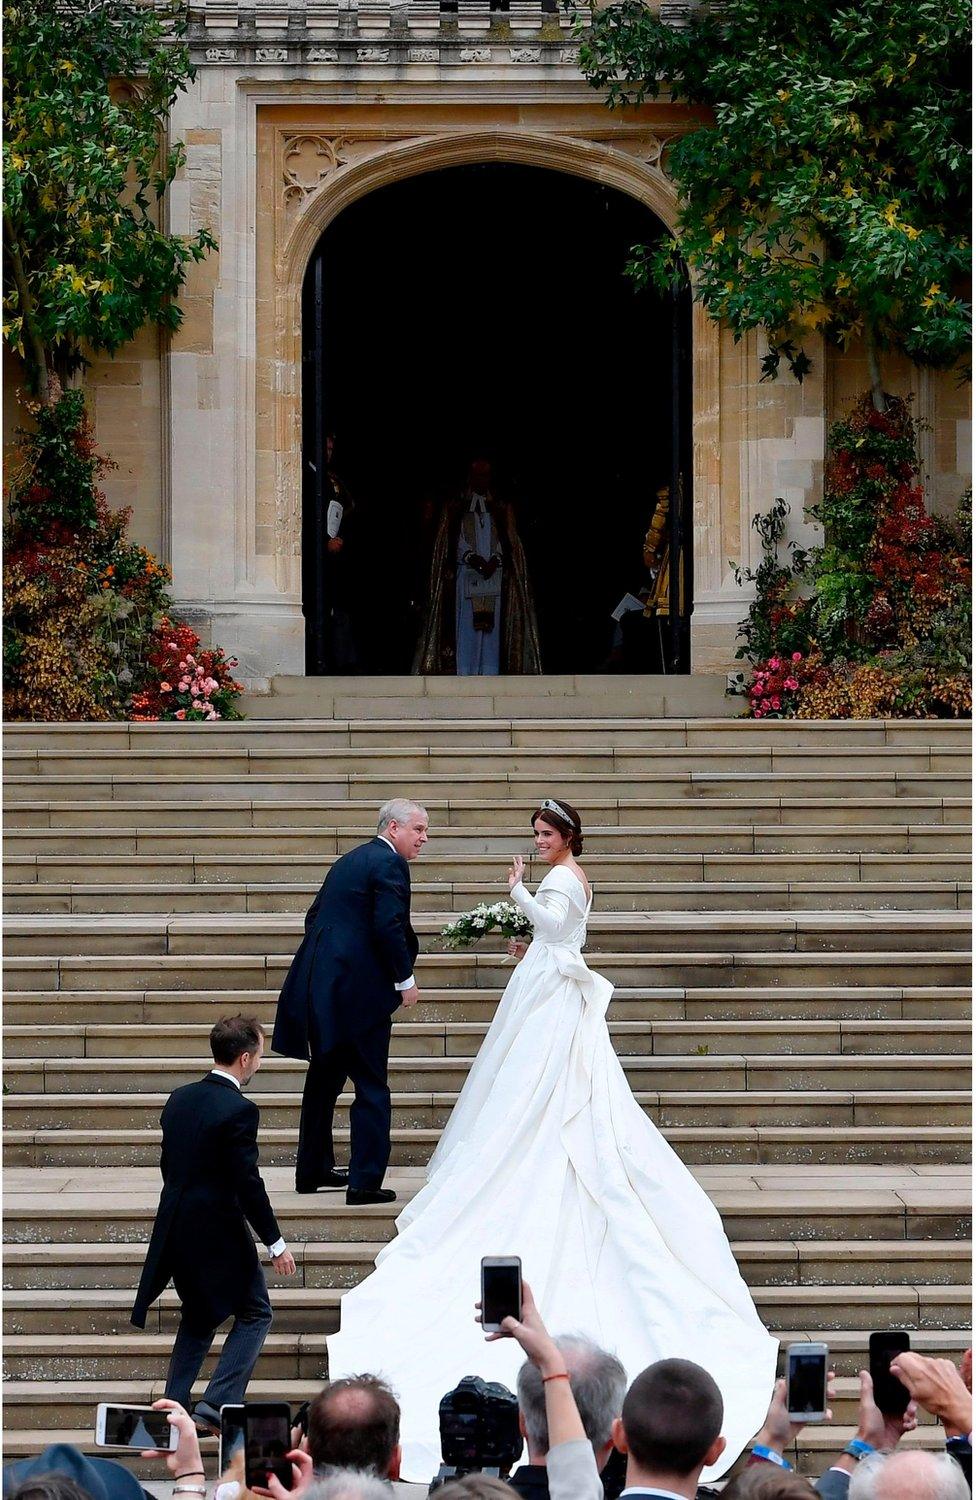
point(547, 1155)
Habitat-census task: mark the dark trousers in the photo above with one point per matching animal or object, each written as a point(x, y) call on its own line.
point(364, 1060)
point(252, 1320)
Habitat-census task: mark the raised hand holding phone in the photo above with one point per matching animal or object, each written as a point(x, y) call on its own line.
point(184, 1459)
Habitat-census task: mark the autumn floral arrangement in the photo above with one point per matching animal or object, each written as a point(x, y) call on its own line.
point(503, 917)
point(88, 626)
point(877, 621)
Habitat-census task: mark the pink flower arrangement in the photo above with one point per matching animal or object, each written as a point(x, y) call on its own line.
point(775, 686)
point(204, 691)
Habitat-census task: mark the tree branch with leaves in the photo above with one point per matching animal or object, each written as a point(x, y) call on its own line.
point(89, 88)
point(831, 192)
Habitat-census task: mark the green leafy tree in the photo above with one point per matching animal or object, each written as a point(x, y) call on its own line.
point(89, 85)
point(828, 189)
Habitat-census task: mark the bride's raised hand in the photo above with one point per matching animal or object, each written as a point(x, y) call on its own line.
point(516, 870)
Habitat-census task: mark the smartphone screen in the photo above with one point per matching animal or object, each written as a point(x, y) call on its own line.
point(231, 1435)
point(501, 1289)
point(890, 1396)
point(267, 1438)
point(807, 1382)
point(135, 1427)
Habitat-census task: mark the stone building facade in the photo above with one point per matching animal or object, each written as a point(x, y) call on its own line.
point(300, 107)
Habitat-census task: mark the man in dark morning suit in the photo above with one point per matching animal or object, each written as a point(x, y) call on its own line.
point(212, 1191)
point(352, 971)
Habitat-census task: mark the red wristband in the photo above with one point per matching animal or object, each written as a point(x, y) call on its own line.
point(561, 1376)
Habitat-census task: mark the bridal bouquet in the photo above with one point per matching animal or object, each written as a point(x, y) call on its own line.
point(502, 917)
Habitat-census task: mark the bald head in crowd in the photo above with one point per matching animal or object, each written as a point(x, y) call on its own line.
point(355, 1424)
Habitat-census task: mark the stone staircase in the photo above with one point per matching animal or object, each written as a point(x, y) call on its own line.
point(783, 909)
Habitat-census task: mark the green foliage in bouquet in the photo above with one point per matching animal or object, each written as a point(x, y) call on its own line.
point(87, 633)
point(877, 621)
point(502, 917)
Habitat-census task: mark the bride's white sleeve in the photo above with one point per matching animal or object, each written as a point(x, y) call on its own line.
point(547, 912)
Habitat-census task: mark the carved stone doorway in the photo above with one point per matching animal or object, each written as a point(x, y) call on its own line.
point(484, 308)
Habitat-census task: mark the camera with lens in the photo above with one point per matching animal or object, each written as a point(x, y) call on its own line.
point(479, 1430)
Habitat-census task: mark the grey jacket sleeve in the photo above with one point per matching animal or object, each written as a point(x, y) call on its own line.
point(573, 1473)
point(833, 1485)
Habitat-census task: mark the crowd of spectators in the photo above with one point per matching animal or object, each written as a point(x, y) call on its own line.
point(588, 1437)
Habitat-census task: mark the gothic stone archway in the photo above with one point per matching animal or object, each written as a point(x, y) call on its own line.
point(312, 163)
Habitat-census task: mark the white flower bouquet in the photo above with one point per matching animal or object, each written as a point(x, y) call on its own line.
point(502, 917)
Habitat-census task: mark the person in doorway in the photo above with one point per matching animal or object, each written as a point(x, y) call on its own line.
point(480, 612)
point(342, 582)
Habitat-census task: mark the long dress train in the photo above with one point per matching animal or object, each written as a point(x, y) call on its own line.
point(548, 1155)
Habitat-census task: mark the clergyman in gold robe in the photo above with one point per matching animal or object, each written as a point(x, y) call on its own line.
point(480, 612)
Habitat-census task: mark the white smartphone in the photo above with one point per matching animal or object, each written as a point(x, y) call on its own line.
point(501, 1290)
point(806, 1382)
point(134, 1427)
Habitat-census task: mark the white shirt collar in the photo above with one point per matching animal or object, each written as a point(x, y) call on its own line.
point(388, 842)
point(479, 504)
point(222, 1073)
point(643, 1489)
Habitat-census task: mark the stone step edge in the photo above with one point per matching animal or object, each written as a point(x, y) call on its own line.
point(759, 1027)
point(310, 1252)
point(292, 1297)
point(423, 1134)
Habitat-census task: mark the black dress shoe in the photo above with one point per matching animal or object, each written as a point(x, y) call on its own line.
point(337, 1178)
point(205, 1420)
point(358, 1196)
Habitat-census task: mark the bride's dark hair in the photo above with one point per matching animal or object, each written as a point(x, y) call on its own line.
point(573, 830)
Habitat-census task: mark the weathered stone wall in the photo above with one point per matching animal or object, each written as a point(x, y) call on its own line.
point(295, 114)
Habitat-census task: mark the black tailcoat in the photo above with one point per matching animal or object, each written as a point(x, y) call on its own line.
point(212, 1190)
point(358, 944)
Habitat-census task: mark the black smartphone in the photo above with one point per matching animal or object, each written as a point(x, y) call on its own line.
point(267, 1438)
point(890, 1396)
point(231, 1436)
point(501, 1290)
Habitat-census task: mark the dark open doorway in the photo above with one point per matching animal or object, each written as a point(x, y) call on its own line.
point(485, 310)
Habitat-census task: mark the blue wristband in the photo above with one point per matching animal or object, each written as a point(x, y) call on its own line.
point(858, 1449)
point(771, 1456)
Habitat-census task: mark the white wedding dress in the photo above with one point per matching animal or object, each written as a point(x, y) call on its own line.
point(548, 1156)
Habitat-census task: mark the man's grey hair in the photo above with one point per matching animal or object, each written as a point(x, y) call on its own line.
point(598, 1381)
point(923, 1476)
point(398, 810)
point(348, 1484)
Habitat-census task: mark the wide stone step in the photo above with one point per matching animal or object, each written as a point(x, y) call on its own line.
point(650, 934)
point(843, 1001)
point(288, 1369)
point(22, 898)
point(475, 971)
point(656, 787)
point(439, 870)
point(432, 1039)
point(550, 731)
point(369, 769)
point(412, 1147)
point(196, 811)
point(756, 1203)
point(788, 1105)
point(316, 1309)
point(785, 1263)
point(705, 1072)
point(821, 837)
